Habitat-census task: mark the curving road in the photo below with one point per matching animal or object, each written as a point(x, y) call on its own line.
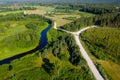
point(90, 63)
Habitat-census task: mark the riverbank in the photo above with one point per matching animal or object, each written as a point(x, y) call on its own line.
point(42, 44)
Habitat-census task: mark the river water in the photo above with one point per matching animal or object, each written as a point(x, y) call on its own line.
point(42, 44)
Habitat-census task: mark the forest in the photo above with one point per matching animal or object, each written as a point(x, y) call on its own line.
point(104, 20)
point(94, 8)
point(103, 43)
point(4, 9)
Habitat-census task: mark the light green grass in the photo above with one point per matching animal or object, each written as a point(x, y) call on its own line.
point(15, 28)
point(85, 14)
point(9, 53)
point(10, 12)
point(49, 9)
point(58, 16)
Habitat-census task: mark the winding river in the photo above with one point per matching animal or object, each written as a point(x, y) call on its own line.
point(42, 44)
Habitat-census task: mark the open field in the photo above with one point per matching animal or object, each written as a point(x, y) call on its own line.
point(14, 35)
point(15, 27)
point(10, 12)
point(112, 69)
point(59, 17)
point(50, 12)
point(40, 12)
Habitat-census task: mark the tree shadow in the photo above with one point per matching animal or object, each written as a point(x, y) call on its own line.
point(48, 67)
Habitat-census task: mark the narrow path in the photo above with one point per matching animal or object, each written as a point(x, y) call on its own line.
point(83, 52)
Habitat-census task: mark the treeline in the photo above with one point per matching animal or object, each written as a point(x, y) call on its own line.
point(108, 20)
point(103, 43)
point(99, 8)
point(78, 24)
point(105, 20)
point(95, 10)
point(4, 9)
point(21, 16)
point(24, 39)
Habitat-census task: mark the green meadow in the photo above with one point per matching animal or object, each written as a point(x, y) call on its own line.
point(16, 38)
point(11, 12)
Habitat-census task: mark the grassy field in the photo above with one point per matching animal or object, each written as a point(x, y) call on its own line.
point(112, 68)
point(12, 31)
point(50, 12)
point(61, 21)
point(58, 16)
point(10, 12)
point(84, 14)
point(15, 27)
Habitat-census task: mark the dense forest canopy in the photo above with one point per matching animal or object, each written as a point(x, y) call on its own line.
point(103, 43)
point(16, 8)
